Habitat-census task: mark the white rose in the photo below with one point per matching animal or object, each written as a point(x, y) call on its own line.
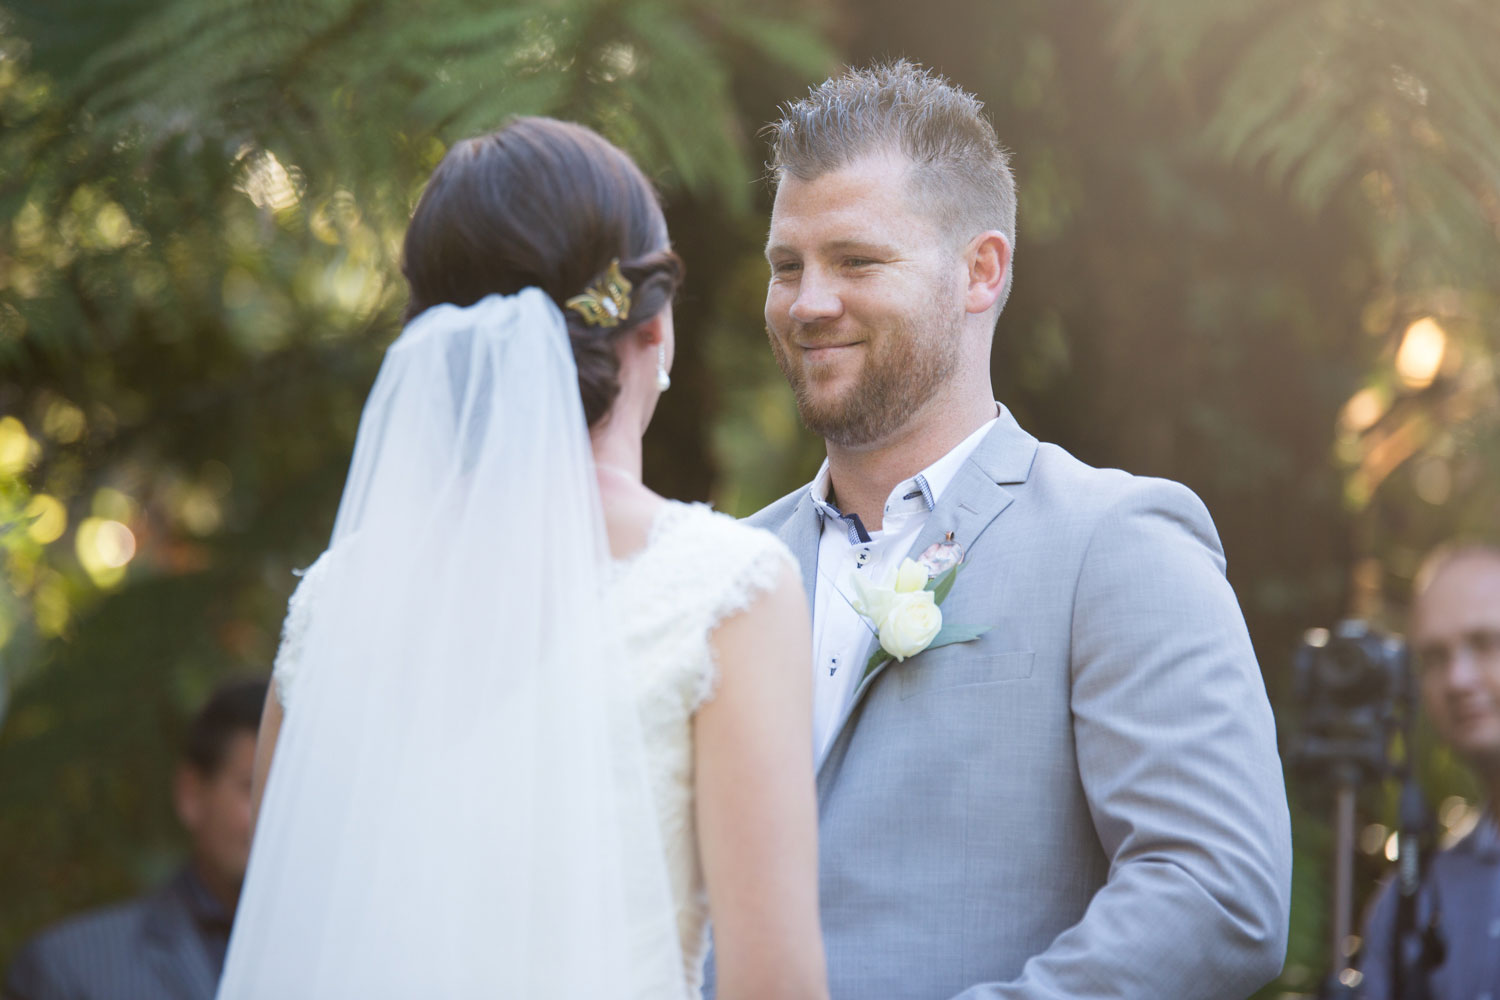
point(910, 624)
point(909, 577)
point(870, 599)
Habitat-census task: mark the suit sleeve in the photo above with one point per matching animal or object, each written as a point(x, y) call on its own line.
point(1176, 749)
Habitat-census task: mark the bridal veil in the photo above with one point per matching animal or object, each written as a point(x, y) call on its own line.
point(458, 805)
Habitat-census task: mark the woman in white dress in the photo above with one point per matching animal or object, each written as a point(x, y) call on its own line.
point(531, 724)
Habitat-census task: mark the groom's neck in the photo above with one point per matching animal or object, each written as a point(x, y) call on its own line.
point(861, 478)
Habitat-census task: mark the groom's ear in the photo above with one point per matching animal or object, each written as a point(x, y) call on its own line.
point(988, 260)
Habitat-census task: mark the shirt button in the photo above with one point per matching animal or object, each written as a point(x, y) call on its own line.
point(1495, 928)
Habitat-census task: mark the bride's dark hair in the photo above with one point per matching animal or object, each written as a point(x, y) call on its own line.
point(549, 204)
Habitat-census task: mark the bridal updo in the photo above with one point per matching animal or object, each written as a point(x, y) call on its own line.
point(549, 204)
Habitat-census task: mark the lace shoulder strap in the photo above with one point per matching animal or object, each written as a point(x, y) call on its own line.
point(708, 567)
point(722, 564)
point(294, 629)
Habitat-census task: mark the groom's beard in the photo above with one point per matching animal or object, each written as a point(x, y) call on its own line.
point(904, 367)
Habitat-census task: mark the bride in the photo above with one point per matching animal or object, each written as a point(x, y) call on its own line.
point(532, 725)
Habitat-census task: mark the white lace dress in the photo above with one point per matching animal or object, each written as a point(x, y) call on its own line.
point(697, 568)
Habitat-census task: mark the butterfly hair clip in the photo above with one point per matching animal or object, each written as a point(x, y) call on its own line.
point(606, 304)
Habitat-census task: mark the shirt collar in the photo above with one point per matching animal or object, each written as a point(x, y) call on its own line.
point(919, 494)
point(201, 903)
point(940, 474)
point(818, 492)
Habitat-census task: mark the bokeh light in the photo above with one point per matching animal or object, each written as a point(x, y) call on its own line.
point(17, 449)
point(104, 549)
point(1421, 354)
point(48, 517)
point(268, 183)
point(1363, 410)
point(64, 422)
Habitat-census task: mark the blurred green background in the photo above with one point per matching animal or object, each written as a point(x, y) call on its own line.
point(1259, 253)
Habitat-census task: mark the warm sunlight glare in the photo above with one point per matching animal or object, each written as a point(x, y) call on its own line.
point(1363, 409)
point(267, 182)
point(1421, 353)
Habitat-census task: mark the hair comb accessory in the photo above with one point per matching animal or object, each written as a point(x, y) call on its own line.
point(607, 303)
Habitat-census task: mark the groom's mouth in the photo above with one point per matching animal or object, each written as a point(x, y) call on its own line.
point(827, 352)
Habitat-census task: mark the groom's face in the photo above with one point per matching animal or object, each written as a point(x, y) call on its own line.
point(866, 299)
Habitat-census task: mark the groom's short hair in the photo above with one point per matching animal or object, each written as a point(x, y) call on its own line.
point(959, 167)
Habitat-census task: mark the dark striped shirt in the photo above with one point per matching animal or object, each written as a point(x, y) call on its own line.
point(166, 946)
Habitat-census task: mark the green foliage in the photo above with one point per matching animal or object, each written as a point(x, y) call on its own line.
point(310, 81)
point(207, 200)
point(1385, 115)
point(1320, 94)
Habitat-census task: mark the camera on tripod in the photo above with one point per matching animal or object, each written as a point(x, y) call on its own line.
point(1356, 691)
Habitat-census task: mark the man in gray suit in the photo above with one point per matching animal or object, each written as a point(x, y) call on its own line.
point(168, 945)
point(1086, 801)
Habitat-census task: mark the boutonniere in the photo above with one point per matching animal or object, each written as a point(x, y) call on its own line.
point(906, 611)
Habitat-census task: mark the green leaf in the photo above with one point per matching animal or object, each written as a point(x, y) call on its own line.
point(949, 634)
point(944, 583)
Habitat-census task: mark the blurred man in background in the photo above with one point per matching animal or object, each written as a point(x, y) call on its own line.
point(1455, 646)
point(168, 945)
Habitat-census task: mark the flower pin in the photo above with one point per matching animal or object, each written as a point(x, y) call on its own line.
point(939, 557)
point(906, 612)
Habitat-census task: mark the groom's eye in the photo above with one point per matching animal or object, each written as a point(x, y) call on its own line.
point(857, 262)
point(786, 267)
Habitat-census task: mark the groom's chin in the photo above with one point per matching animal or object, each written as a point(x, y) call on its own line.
point(839, 421)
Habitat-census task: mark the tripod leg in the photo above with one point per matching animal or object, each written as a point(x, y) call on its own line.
point(1341, 979)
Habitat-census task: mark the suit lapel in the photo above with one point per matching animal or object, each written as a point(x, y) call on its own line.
point(801, 532)
point(968, 506)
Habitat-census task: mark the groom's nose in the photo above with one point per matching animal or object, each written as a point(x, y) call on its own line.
point(817, 299)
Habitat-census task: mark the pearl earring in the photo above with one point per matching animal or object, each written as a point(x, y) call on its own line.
point(663, 380)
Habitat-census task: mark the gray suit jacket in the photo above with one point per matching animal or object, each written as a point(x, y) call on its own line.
point(1085, 802)
point(147, 949)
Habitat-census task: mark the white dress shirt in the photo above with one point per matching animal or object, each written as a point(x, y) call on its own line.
point(845, 547)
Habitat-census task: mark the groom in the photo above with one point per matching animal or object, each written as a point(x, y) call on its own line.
point(1086, 801)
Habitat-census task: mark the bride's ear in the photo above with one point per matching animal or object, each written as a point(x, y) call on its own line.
point(649, 333)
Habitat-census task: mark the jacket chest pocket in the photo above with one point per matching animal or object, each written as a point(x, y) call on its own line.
point(960, 668)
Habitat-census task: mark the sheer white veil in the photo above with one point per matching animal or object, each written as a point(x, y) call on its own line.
point(454, 808)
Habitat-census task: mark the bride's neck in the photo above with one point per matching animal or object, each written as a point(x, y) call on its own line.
point(629, 507)
point(616, 448)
